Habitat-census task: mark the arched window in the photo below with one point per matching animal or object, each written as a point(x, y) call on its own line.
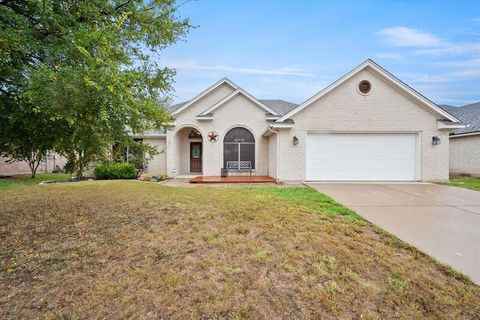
point(239, 149)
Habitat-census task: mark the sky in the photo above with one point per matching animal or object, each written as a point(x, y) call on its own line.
point(293, 49)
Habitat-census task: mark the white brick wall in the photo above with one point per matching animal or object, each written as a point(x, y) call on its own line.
point(385, 109)
point(465, 155)
point(239, 111)
point(158, 165)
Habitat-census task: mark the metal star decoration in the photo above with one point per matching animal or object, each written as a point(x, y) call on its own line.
point(212, 136)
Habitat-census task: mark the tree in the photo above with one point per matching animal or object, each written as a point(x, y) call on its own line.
point(88, 67)
point(25, 135)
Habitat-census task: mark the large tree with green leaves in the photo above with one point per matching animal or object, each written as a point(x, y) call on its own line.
point(87, 69)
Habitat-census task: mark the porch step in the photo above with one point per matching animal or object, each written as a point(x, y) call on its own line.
point(232, 179)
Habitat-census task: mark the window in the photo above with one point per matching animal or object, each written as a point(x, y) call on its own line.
point(364, 87)
point(239, 149)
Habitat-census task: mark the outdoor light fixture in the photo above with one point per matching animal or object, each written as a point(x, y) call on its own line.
point(194, 134)
point(435, 140)
point(295, 140)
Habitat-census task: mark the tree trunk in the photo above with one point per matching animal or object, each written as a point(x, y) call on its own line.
point(31, 164)
point(79, 166)
point(34, 163)
point(34, 172)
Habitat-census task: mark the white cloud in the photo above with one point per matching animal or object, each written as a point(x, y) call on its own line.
point(405, 37)
point(450, 49)
point(469, 63)
point(191, 65)
point(426, 44)
point(464, 74)
point(475, 20)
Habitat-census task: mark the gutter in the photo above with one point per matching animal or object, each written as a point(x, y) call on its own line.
point(281, 125)
point(466, 134)
point(442, 124)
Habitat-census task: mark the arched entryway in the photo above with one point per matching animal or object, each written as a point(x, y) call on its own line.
point(239, 149)
point(188, 142)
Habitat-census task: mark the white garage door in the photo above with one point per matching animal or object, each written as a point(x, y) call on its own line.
point(361, 157)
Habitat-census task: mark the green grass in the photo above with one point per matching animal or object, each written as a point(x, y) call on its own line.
point(466, 182)
point(124, 249)
point(22, 181)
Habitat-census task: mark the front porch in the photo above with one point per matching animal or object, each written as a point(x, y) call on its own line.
point(192, 151)
point(232, 179)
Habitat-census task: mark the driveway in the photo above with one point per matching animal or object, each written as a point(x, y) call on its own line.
point(442, 221)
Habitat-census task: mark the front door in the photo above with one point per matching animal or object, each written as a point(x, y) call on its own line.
point(195, 157)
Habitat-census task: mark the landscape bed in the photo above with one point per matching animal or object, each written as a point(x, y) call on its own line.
point(123, 249)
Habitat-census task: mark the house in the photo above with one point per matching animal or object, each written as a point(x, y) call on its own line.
point(51, 163)
point(465, 142)
point(366, 126)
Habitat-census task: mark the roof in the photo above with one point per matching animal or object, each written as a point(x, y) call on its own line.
point(277, 105)
point(176, 106)
point(373, 66)
point(469, 114)
point(280, 106)
point(179, 107)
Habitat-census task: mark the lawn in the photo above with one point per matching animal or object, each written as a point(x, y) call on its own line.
point(101, 249)
point(466, 182)
point(21, 181)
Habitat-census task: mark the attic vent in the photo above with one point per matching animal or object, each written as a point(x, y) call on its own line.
point(364, 87)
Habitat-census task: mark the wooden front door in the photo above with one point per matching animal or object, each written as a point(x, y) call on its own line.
point(195, 157)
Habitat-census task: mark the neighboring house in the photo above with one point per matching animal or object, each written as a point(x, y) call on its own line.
point(53, 162)
point(367, 125)
point(465, 142)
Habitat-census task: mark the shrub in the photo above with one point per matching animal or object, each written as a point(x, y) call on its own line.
point(69, 167)
point(162, 177)
point(145, 177)
point(123, 170)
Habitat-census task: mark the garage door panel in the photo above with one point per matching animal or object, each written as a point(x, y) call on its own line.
point(361, 157)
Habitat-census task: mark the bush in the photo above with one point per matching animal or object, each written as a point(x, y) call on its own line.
point(69, 167)
point(162, 177)
point(145, 177)
point(123, 170)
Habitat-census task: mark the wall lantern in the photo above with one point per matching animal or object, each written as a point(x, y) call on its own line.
point(194, 134)
point(295, 140)
point(435, 140)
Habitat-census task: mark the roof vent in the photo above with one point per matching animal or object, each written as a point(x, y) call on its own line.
point(364, 87)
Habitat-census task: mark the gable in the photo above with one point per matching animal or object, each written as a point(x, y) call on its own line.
point(210, 99)
point(182, 106)
point(204, 102)
point(241, 109)
point(233, 95)
point(384, 108)
point(374, 68)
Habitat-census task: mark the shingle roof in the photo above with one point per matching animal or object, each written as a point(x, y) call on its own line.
point(176, 106)
point(469, 114)
point(280, 106)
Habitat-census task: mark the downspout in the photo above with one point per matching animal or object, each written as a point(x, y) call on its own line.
point(278, 145)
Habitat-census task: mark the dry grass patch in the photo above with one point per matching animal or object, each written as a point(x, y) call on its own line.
point(133, 250)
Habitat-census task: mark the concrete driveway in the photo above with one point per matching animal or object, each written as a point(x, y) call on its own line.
point(442, 221)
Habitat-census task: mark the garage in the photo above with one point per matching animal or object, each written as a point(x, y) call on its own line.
point(361, 157)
